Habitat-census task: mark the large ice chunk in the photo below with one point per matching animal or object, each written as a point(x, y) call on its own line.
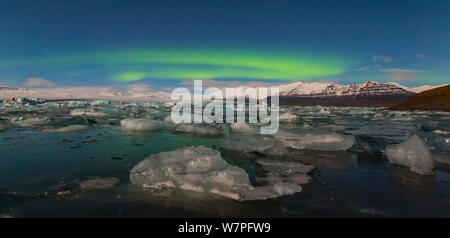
point(201, 169)
point(140, 124)
point(199, 129)
point(412, 153)
point(314, 139)
point(254, 145)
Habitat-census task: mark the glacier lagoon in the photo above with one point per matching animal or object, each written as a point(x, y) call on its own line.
point(62, 159)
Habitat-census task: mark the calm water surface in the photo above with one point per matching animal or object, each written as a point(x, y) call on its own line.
point(353, 183)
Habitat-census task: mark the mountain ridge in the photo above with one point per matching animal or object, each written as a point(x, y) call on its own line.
point(370, 93)
point(433, 99)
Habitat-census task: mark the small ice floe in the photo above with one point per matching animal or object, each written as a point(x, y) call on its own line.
point(88, 112)
point(314, 139)
point(201, 169)
point(76, 104)
point(152, 113)
point(140, 124)
point(34, 121)
point(100, 102)
point(288, 117)
point(253, 146)
point(378, 117)
point(412, 153)
point(439, 132)
point(243, 128)
point(83, 185)
point(67, 129)
point(97, 183)
point(402, 118)
point(105, 112)
point(206, 130)
point(323, 111)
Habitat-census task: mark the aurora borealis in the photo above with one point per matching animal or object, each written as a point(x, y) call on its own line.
point(127, 66)
point(165, 42)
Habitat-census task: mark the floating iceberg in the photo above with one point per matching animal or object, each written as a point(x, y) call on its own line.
point(66, 129)
point(199, 130)
point(97, 183)
point(439, 132)
point(34, 121)
point(253, 145)
point(201, 169)
point(314, 139)
point(105, 112)
point(100, 102)
point(412, 153)
point(243, 128)
point(83, 185)
point(76, 104)
point(288, 117)
point(154, 114)
point(139, 124)
point(87, 112)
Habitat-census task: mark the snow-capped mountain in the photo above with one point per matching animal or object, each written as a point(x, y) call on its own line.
point(324, 90)
point(317, 88)
point(418, 89)
point(5, 88)
point(88, 93)
point(298, 93)
point(370, 93)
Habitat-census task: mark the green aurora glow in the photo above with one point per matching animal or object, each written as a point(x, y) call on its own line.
point(132, 65)
point(129, 76)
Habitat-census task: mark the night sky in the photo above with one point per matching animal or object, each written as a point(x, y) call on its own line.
point(165, 43)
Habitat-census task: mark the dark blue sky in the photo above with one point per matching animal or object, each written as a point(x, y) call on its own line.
point(83, 42)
